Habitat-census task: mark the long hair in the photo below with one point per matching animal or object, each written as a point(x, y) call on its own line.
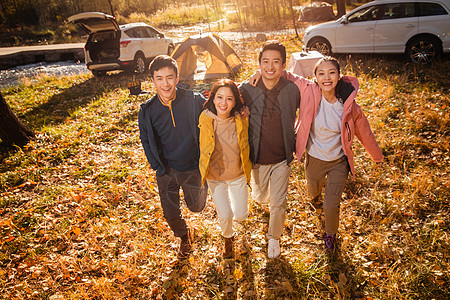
point(209, 105)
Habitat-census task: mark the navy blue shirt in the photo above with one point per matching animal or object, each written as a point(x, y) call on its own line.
point(177, 146)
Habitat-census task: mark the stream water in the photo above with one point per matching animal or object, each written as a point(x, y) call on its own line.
point(14, 76)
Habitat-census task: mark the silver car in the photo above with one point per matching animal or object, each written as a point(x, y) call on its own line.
point(112, 47)
point(418, 28)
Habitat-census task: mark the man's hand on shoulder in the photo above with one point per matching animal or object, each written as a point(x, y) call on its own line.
point(244, 112)
point(254, 79)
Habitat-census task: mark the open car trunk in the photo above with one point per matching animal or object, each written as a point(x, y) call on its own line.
point(104, 46)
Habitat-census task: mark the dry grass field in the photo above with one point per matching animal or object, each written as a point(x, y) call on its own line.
point(80, 216)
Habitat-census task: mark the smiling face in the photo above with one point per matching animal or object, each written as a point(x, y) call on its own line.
point(224, 102)
point(165, 81)
point(271, 65)
point(327, 76)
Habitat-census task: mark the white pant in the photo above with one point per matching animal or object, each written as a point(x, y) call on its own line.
point(269, 185)
point(231, 200)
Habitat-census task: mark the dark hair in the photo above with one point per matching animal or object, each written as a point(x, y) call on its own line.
point(163, 61)
point(273, 45)
point(343, 89)
point(326, 59)
point(209, 105)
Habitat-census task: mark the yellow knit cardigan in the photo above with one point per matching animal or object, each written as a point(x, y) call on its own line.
point(207, 144)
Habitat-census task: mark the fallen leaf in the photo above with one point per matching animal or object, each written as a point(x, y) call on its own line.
point(76, 230)
point(229, 279)
point(287, 286)
point(10, 238)
point(238, 274)
point(342, 279)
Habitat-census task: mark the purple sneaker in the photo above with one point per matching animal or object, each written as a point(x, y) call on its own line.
point(329, 240)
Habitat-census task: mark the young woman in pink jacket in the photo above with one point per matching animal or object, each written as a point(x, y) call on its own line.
point(329, 118)
point(328, 121)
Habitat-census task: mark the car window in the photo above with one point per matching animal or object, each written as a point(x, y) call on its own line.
point(131, 33)
point(141, 33)
point(102, 36)
point(399, 10)
point(431, 9)
point(151, 32)
point(367, 14)
point(138, 32)
point(144, 33)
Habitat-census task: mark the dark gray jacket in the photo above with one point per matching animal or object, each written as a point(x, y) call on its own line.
point(289, 99)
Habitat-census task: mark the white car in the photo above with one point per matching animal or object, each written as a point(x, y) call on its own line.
point(112, 47)
point(418, 28)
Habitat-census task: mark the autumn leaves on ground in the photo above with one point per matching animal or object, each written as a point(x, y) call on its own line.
point(80, 216)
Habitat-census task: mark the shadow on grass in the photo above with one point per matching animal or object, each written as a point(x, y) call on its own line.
point(174, 286)
point(280, 280)
point(232, 278)
point(376, 65)
point(59, 107)
point(340, 276)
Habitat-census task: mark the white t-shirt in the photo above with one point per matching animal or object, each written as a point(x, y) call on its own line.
point(324, 141)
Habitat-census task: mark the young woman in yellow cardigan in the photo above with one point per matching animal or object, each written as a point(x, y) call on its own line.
point(224, 157)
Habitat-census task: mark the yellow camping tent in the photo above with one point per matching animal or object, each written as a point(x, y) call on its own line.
point(219, 57)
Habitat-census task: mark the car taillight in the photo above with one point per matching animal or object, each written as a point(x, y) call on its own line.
point(124, 44)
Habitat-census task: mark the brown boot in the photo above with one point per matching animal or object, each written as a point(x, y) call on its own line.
point(228, 251)
point(185, 246)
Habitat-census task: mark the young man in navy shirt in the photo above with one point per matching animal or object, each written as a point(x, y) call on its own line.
point(168, 125)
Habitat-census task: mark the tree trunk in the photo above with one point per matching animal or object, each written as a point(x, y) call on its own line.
point(340, 4)
point(291, 5)
point(277, 9)
point(12, 130)
point(207, 17)
point(2, 6)
point(111, 8)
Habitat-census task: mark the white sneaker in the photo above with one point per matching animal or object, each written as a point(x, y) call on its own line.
point(273, 250)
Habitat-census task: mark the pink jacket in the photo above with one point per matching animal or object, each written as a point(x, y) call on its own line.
point(354, 122)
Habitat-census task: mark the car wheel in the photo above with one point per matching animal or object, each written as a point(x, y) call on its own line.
point(97, 73)
point(423, 50)
point(320, 45)
point(170, 49)
point(139, 63)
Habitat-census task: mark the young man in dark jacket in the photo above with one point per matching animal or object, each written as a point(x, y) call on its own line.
point(273, 104)
point(169, 132)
